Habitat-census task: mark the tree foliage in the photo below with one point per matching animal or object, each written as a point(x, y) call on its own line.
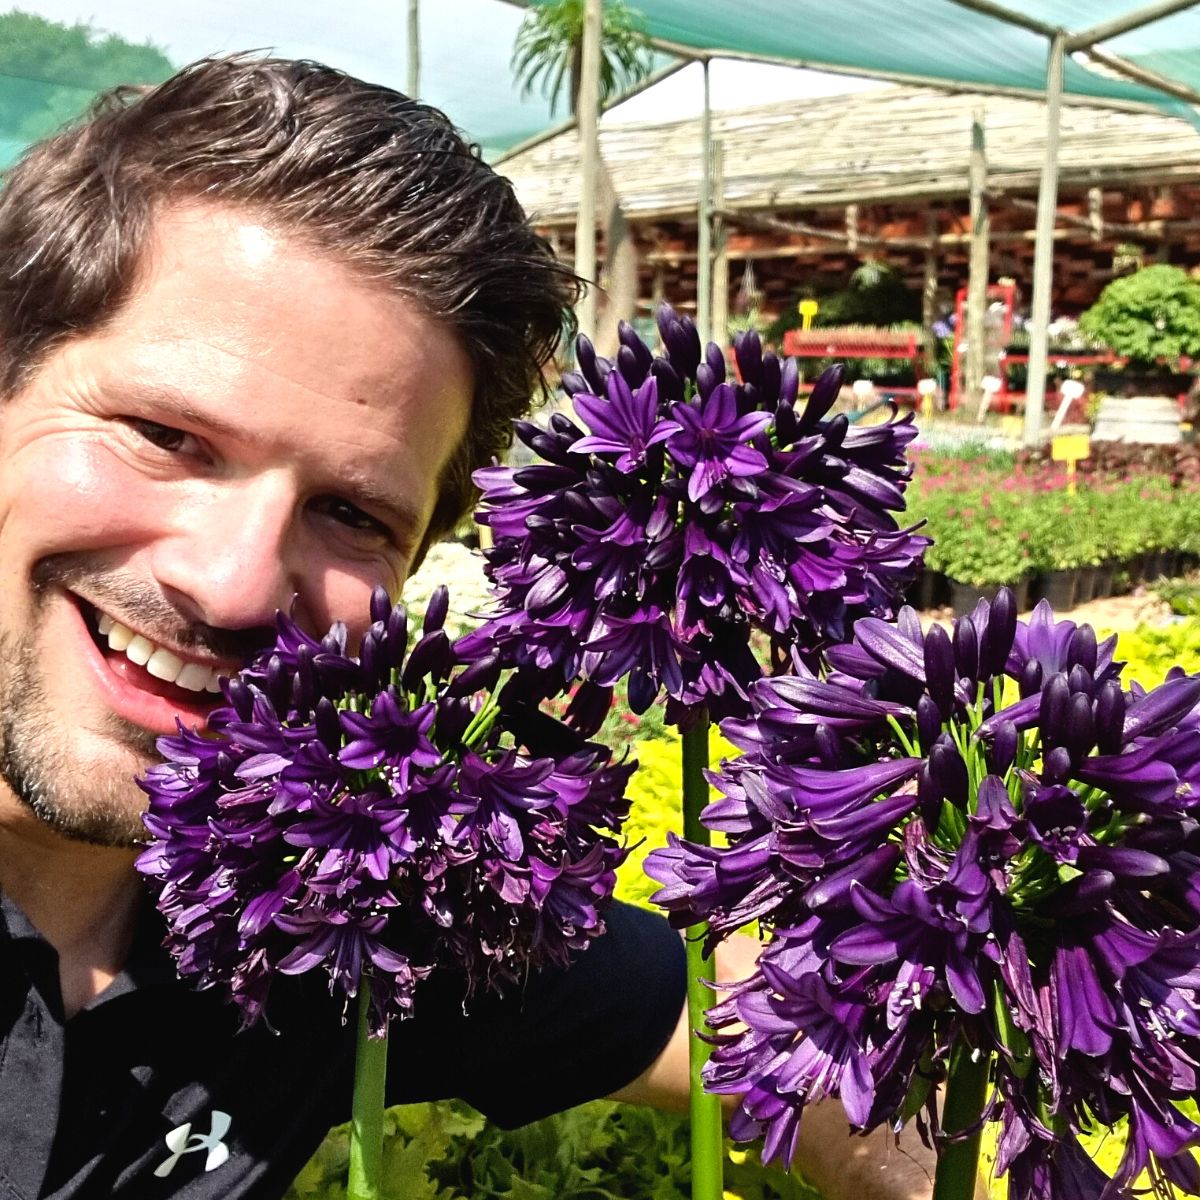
point(50, 72)
point(1148, 317)
point(548, 54)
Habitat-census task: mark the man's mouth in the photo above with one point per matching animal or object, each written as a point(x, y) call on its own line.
point(157, 661)
point(146, 683)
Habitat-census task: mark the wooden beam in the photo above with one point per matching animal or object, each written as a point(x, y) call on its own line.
point(1124, 23)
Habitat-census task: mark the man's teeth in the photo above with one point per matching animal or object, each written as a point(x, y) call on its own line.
point(158, 661)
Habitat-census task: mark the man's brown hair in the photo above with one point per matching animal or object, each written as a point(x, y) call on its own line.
point(384, 183)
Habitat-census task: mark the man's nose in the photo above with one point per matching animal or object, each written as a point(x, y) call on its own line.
point(227, 560)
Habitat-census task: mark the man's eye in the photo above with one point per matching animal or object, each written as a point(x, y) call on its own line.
point(162, 436)
point(345, 513)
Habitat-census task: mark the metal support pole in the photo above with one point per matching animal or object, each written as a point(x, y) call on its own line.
point(1043, 247)
point(704, 221)
point(720, 270)
point(929, 294)
point(977, 272)
point(414, 48)
point(587, 116)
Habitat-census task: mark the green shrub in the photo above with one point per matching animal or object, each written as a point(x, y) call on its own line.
point(1149, 316)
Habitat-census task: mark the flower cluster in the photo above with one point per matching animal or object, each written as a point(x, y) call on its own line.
point(375, 816)
point(980, 840)
point(683, 510)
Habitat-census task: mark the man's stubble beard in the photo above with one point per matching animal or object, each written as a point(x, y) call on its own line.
point(80, 800)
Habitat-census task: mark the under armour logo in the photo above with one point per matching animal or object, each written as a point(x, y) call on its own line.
point(182, 1140)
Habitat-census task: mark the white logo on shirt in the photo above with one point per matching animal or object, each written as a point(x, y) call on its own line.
point(182, 1140)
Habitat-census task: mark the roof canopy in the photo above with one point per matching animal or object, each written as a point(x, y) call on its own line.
point(466, 46)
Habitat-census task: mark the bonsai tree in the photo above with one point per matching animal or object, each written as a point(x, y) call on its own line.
point(1151, 317)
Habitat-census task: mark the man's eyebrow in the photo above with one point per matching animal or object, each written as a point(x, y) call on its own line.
point(156, 395)
point(408, 520)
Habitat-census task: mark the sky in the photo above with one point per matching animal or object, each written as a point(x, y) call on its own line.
point(466, 76)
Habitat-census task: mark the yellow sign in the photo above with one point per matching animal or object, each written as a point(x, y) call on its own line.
point(1012, 426)
point(1070, 448)
point(808, 310)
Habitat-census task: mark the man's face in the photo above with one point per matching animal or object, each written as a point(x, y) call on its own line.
point(257, 423)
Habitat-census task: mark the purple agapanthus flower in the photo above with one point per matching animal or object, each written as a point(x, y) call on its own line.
point(378, 817)
point(679, 511)
point(980, 838)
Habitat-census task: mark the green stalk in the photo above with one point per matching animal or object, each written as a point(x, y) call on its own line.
point(966, 1095)
point(366, 1122)
point(708, 1135)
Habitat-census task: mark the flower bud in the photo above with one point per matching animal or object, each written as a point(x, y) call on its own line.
point(949, 773)
point(998, 635)
point(481, 676)
point(396, 636)
point(1030, 679)
point(769, 383)
point(240, 697)
point(1053, 710)
point(822, 398)
point(628, 337)
point(966, 650)
point(1079, 680)
point(381, 604)
point(454, 714)
point(572, 382)
point(929, 716)
point(715, 358)
point(585, 356)
point(370, 658)
point(1056, 765)
point(1082, 649)
point(329, 727)
point(1004, 747)
point(939, 670)
point(786, 426)
point(278, 685)
point(789, 382)
point(670, 386)
point(1078, 734)
point(705, 380)
point(835, 432)
point(430, 657)
point(748, 352)
point(1110, 717)
point(439, 606)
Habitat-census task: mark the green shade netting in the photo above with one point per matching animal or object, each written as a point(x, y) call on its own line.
point(923, 39)
point(466, 45)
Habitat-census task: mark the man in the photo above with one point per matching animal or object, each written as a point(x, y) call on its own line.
point(257, 326)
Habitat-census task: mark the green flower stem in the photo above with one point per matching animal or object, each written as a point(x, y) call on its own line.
point(966, 1095)
point(366, 1122)
point(708, 1135)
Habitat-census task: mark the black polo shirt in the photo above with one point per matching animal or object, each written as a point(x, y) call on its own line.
point(152, 1091)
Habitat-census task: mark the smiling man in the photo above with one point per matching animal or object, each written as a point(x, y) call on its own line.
point(257, 326)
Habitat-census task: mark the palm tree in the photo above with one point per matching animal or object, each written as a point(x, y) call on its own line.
point(548, 55)
point(549, 51)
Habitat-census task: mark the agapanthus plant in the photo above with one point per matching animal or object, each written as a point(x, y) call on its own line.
point(375, 818)
point(683, 508)
point(977, 856)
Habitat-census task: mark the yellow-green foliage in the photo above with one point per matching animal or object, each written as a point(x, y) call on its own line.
point(655, 794)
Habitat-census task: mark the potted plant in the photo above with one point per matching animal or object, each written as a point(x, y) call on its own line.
point(1152, 319)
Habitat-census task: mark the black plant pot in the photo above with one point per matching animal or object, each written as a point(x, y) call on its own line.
point(1154, 567)
point(919, 593)
point(1085, 586)
point(1105, 573)
point(1058, 587)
